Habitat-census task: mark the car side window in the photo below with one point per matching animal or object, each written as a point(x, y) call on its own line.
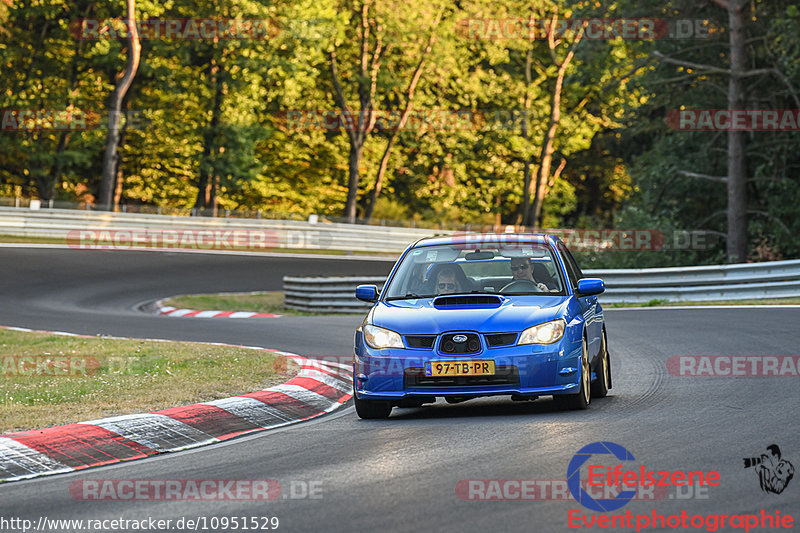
point(578, 271)
point(573, 272)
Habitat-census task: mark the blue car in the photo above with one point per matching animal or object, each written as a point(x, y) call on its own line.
point(481, 315)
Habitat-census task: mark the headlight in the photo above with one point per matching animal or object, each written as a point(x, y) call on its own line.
point(382, 338)
point(546, 333)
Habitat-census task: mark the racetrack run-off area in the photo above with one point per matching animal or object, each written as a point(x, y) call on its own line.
point(320, 387)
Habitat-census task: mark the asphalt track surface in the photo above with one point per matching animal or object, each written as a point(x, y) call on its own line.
point(401, 474)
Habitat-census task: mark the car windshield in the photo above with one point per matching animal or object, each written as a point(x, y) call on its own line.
point(428, 271)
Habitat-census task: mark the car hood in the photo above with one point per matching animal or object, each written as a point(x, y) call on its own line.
point(421, 317)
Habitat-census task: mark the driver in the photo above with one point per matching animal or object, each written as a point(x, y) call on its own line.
point(521, 270)
point(446, 281)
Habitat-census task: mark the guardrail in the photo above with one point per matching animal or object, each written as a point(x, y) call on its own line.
point(776, 279)
point(68, 224)
point(326, 295)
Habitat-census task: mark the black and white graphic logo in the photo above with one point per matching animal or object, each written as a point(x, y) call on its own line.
point(773, 472)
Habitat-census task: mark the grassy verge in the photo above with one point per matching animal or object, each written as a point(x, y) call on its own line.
point(89, 378)
point(15, 239)
point(262, 302)
point(664, 303)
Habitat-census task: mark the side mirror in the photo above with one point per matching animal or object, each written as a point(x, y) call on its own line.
point(367, 293)
point(590, 286)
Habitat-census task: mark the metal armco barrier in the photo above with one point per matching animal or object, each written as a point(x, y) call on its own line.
point(326, 295)
point(776, 279)
point(68, 224)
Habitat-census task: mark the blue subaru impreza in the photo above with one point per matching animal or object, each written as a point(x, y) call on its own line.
point(481, 315)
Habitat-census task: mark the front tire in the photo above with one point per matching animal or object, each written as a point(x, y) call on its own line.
point(581, 400)
point(603, 382)
point(372, 409)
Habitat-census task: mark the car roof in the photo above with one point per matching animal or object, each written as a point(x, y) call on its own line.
point(489, 239)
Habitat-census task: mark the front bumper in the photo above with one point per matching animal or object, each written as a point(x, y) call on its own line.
point(528, 370)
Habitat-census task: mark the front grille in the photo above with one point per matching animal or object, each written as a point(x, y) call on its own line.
point(504, 375)
point(420, 341)
point(500, 339)
point(460, 343)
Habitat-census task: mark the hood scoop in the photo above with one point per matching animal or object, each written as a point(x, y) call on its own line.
point(477, 300)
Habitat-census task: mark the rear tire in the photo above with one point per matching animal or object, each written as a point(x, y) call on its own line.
point(372, 409)
point(603, 382)
point(581, 400)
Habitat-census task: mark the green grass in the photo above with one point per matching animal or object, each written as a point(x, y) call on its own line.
point(665, 303)
point(262, 302)
point(108, 377)
point(656, 302)
point(15, 239)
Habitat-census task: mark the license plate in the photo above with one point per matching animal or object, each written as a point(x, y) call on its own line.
point(459, 368)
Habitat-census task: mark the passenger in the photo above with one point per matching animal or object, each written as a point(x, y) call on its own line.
point(522, 269)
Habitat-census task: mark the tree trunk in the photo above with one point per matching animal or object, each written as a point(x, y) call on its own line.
point(118, 167)
point(737, 163)
point(214, 196)
point(526, 186)
point(412, 88)
point(545, 159)
point(46, 187)
point(206, 193)
point(107, 183)
point(362, 121)
point(353, 160)
point(376, 190)
point(118, 188)
point(546, 156)
point(526, 172)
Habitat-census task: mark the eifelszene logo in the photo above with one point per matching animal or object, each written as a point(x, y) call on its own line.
point(613, 478)
point(574, 477)
point(773, 472)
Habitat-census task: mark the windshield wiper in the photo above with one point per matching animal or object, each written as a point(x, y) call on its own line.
point(409, 296)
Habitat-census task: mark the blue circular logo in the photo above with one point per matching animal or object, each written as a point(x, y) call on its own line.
point(574, 477)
